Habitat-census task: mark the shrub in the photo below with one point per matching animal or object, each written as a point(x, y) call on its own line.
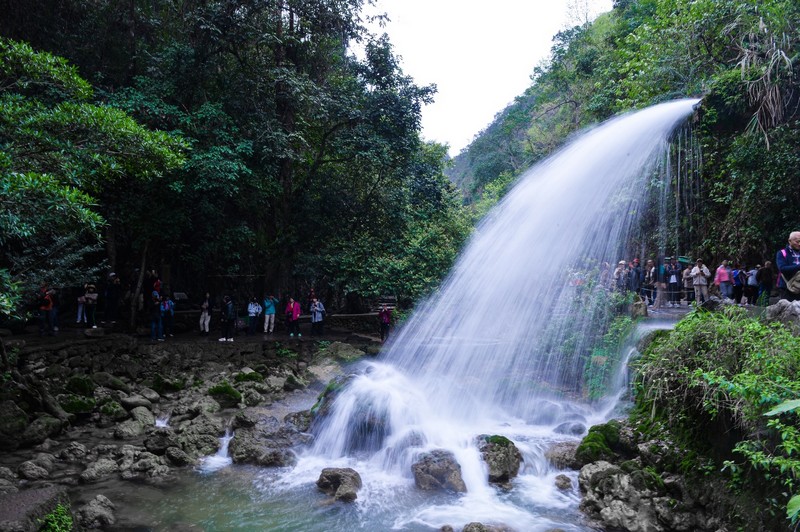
point(59, 520)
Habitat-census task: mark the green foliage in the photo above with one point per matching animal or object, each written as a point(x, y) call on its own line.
point(727, 369)
point(59, 520)
point(495, 439)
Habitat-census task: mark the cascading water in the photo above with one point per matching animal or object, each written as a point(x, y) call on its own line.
point(498, 349)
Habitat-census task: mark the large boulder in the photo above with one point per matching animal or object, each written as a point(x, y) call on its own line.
point(268, 443)
point(99, 470)
point(97, 514)
point(342, 483)
point(786, 312)
point(200, 435)
point(159, 439)
point(13, 422)
point(502, 457)
point(438, 470)
point(42, 428)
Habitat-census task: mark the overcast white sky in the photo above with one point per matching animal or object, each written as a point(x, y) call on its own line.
point(480, 54)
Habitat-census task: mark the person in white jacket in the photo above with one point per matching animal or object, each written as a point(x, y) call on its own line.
point(253, 313)
point(700, 275)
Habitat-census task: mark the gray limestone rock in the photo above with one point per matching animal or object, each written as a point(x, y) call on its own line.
point(438, 470)
point(342, 483)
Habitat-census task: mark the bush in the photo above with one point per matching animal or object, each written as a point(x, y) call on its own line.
point(59, 520)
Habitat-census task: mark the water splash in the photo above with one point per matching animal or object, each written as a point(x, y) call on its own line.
point(221, 459)
point(162, 420)
point(501, 347)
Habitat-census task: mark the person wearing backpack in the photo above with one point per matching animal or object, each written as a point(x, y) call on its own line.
point(228, 319)
point(167, 314)
point(788, 262)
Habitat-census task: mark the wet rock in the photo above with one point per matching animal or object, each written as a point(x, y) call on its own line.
point(97, 471)
point(7, 486)
point(108, 380)
point(200, 436)
point(562, 455)
point(268, 443)
point(243, 420)
point(480, 527)
point(7, 474)
point(293, 382)
point(438, 470)
point(150, 394)
point(502, 457)
point(129, 429)
point(343, 351)
point(144, 416)
point(13, 422)
point(30, 470)
point(301, 420)
point(570, 428)
point(24, 510)
point(177, 456)
point(98, 513)
point(252, 397)
point(342, 483)
point(159, 439)
point(42, 428)
point(563, 482)
point(73, 452)
point(133, 401)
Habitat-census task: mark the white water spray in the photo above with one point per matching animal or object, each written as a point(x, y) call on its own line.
point(500, 348)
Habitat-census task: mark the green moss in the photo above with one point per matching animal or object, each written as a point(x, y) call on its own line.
point(113, 410)
point(77, 404)
point(225, 393)
point(609, 431)
point(163, 385)
point(81, 385)
point(252, 376)
point(498, 440)
point(593, 448)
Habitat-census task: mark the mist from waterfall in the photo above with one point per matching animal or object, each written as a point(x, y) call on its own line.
point(501, 347)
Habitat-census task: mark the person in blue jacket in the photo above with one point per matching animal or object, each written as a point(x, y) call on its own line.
point(788, 262)
point(270, 303)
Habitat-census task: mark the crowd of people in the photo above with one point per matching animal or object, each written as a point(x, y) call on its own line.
point(672, 282)
point(676, 281)
point(158, 307)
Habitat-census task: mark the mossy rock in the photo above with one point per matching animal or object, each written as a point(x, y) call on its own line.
point(251, 376)
point(163, 385)
point(593, 448)
point(225, 394)
point(497, 440)
point(77, 404)
point(609, 431)
point(113, 410)
point(81, 385)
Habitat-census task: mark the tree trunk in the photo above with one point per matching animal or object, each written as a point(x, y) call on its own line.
point(139, 282)
point(4, 355)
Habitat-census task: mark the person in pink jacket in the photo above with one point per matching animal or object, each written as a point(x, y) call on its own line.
point(292, 313)
point(724, 280)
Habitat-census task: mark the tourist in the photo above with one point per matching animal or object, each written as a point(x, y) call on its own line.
point(45, 307)
point(700, 275)
point(766, 279)
point(292, 313)
point(90, 301)
point(155, 281)
point(788, 262)
point(635, 276)
point(649, 284)
point(253, 313)
point(724, 280)
point(54, 311)
point(228, 319)
point(112, 294)
point(672, 273)
point(81, 299)
point(751, 285)
point(317, 311)
point(688, 287)
point(156, 321)
point(385, 320)
point(167, 315)
point(270, 306)
point(621, 276)
point(739, 279)
point(205, 313)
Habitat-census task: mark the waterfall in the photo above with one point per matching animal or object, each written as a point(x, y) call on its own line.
point(501, 347)
point(217, 461)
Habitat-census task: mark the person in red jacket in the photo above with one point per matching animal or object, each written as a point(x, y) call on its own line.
point(385, 318)
point(292, 313)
